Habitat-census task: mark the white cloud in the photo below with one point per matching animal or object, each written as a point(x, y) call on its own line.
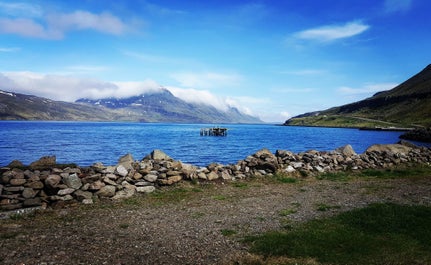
point(367, 89)
point(55, 26)
point(69, 88)
point(25, 27)
point(206, 80)
point(332, 32)
point(20, 9)
point(392, 6)
point(199, 96)
point(81, 20)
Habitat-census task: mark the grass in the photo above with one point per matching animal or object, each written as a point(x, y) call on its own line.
point(335, 176)
point(413, 171)
point(323, 207)
point(377, 234)
point(283, 178)
point(393, 173)
point(228, 232)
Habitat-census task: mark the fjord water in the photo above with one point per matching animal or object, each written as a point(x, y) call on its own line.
point(85, 143)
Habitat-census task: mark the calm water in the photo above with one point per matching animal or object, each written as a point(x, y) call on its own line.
point(85, 142)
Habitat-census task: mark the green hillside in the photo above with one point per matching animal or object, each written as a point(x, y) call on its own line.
point(406, 105)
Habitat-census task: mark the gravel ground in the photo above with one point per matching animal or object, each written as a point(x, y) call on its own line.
point(190, 223)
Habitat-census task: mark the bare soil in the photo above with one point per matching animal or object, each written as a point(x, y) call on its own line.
point(189, 223)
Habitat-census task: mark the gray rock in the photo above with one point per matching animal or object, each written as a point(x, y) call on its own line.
point(125, 193)
point(289, 169)
point(87, 201)
point(159, 155)
point(392, 148)
point(126, 161)
point(17, 182)
point(97, 185)
point(28, 193)
point(52, 181)
point(72, 181)
point(106, 191)
point(44, 162)
point(81, 195)
point(65, 192)
point(30, 202)
point(109, 181)
point(212, 175)
point(122, 171)
point(170, 180)
point(150, 177)
point(346, 150)
point(146, 189)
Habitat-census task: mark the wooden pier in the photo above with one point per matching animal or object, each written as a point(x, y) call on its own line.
point(216, 131)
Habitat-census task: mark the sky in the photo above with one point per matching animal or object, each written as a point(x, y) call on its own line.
point(273, 59)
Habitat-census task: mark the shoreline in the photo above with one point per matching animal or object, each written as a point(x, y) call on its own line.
point(45, 183)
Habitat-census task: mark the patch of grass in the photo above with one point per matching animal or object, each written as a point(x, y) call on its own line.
point(322, 207)
point(219, 197)
point(393, 173)
point(240, 185)
point(334, 176)
point(286, 212)
point(228, 232)
point(124, 226)
point(377, 234)
point(282, 178)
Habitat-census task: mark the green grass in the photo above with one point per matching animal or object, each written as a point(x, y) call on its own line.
point(378, 234)
point(283, 178)
point(393, 173)
point(228, 232)
point(412, 171)
point(219, 197)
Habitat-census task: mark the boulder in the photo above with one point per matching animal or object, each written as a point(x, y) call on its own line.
point(106, 191)
point(150, 177)
point(346, 150)
point(159, 155)
point(17, 182)
point(392, 148)
point(52, 181)
point(127, 192)
point(126, 161)
point(65, 192)
point(72, 181)
point(170, 180)
point(212, 175)
point(15, 164)
point(122, 170)
point(146, 189)
point(28, 193)
point(44, 162)
point(81, 195)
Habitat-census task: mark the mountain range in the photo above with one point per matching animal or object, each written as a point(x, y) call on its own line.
point(156, 106)
point(406, 105)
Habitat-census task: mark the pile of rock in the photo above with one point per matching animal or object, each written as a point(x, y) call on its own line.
point(45, 183)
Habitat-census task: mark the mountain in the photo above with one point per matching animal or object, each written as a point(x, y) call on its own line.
point(406, 105)
point(159, 106)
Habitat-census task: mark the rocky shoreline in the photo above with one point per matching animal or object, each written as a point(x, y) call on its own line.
point(44, 183)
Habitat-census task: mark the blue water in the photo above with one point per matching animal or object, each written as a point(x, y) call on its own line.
point(84, 143)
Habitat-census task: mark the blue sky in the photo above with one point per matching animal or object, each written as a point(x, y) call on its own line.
point(272, 59)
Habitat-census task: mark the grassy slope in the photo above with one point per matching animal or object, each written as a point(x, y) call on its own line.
point(403, 106)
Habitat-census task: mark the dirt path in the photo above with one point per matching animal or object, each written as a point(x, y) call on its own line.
point(192, 224)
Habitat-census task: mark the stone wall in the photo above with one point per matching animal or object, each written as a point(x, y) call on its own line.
point(45, 183)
